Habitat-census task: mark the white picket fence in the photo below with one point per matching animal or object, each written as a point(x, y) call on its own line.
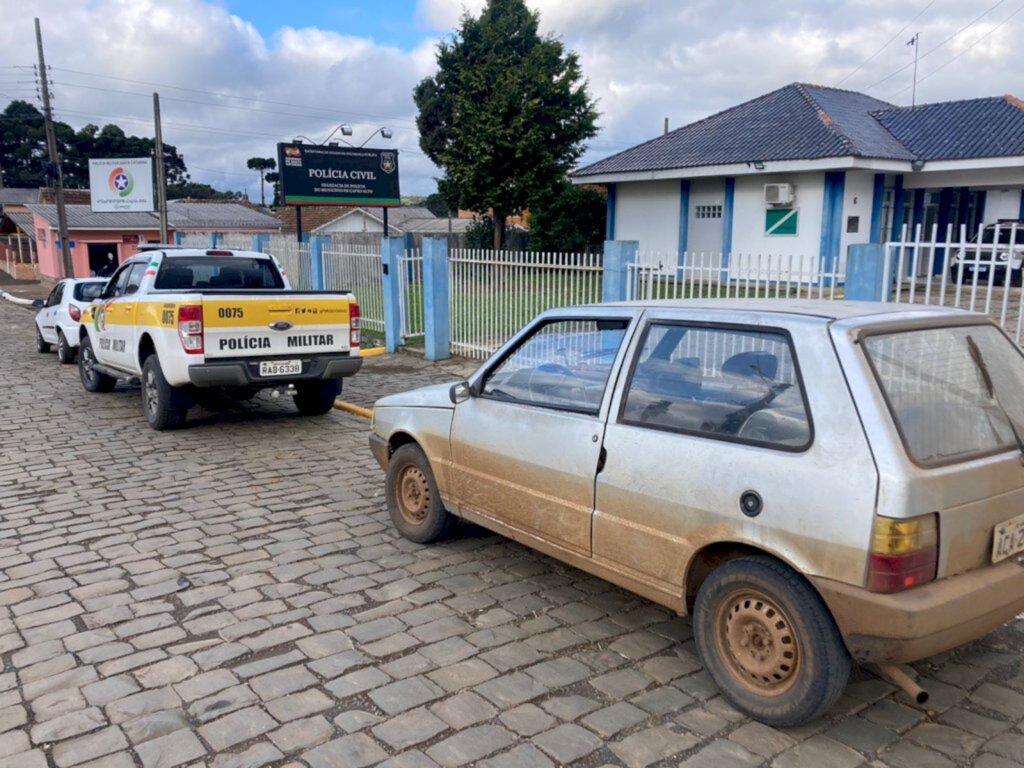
point(961, 271)
point(494, 294)
point(743, 275)
point(357, 268)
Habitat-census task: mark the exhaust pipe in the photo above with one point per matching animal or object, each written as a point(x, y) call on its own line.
point(895, 675)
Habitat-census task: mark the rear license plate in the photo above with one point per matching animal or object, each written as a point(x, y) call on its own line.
point(1008, 539)
point(280, 367)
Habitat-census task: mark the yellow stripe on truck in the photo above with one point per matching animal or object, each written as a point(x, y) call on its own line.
point(226, 312)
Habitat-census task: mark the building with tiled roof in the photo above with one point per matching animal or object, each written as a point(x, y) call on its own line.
point(808, 170)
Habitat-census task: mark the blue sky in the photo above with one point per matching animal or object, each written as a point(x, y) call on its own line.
point(395, 22)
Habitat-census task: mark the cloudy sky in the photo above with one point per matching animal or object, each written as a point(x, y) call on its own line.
point(237, 76)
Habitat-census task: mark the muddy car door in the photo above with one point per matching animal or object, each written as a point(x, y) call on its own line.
point(527, 444)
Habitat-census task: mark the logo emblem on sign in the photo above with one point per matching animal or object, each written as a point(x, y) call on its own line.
point(120, 182)
point(387, 162)
point(280, 325)
point(292, 152)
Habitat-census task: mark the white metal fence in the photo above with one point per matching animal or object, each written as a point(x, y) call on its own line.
point(981, 273)
point(493, 294)
point(743, 275)
point(410, 293)
point(294, 259)
point(357, 268)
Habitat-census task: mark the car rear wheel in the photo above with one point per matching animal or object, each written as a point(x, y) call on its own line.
point(413, 501)
point(41, 344)
point(65, 352)
point(315, 398)
point(164, 406)
point(770, 642)
point(92, 380)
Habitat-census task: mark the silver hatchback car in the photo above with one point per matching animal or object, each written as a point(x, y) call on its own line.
point(817, 483)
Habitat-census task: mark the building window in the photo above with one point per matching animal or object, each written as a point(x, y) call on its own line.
point(708, 211)
point(852, 224)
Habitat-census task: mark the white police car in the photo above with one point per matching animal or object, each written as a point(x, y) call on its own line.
point(58, 321)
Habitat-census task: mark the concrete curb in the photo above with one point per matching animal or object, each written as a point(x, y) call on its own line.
point(355, 410)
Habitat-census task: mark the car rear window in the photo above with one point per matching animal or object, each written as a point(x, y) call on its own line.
point(183, 273)
point(89, 291)
point(954, 392)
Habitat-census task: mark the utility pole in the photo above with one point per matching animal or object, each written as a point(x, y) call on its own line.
point(51, 146)
point(915, 41)
point(161, 178)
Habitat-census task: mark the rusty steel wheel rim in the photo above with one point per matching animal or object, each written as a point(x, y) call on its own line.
point(413, 495)
point(757, 641)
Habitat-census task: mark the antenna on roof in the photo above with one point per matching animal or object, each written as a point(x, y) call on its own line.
point(914, 41)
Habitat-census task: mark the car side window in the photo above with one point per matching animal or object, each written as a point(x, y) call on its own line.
point(118, 282)
point(563, 364)
point(54, 298)
point(727, 383)
point(135, 278)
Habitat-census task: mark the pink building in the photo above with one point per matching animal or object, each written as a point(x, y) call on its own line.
point(95, 235)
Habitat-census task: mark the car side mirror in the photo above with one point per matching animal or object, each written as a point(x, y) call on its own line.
point(41, 303)
point(130, 290)
point(459, 392)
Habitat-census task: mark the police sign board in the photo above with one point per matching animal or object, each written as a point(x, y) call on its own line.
point(121, 184)
point(315, 175)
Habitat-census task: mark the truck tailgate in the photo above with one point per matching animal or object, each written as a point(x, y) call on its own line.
point(253, 326)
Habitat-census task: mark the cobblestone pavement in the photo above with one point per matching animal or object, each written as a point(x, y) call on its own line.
point(233, 595)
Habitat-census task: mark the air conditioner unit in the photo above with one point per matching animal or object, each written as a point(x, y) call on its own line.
point(778, 194)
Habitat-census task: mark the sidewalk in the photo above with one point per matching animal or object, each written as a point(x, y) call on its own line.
point(23, 291)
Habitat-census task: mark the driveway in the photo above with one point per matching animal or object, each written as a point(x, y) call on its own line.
point(233, 594)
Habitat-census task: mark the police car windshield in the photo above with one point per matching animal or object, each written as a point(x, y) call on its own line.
point(186, 273)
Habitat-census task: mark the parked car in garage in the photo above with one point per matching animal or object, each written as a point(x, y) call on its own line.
point(816, 482)
point(999, 248)
point(57, 323)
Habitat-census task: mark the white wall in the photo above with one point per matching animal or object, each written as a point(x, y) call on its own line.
point(648, 211)
point(354, 222)
point(1001, 204)
point(748, 237)
point(857, 200)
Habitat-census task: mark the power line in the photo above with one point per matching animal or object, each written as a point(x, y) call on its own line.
point(886, 44)
point(222, 95)
point(935, 48)
point(965, 50)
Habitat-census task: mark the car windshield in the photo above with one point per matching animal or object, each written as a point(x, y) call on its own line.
point(955, 393)
point(1007, 233)
point(183, 273)
point(89, 291)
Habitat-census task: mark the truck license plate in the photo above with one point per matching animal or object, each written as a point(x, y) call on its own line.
point(1008, 539)
point(280, 367)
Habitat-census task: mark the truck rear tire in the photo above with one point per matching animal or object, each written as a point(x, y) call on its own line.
point(163, 405)
point(315, 398)
point(92, 380)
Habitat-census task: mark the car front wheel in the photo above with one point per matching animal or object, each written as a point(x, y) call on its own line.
point(413, 501)
point(65, 352)
point(769, 642)
point(163, 405)
point(92, 380)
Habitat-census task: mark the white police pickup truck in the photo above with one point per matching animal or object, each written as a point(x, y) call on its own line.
point(185, 318)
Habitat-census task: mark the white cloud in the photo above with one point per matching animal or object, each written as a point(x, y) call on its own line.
point(644, 61)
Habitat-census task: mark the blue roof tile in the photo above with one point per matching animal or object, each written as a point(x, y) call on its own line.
point(959, 130)
point(810, 122)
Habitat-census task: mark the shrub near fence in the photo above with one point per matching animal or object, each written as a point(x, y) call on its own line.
point(494, 294)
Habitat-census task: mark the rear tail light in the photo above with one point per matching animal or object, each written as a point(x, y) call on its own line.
point(75, 312)
point(904, 553)
point(354, 325)
point(190, 328)
point(220, 253)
